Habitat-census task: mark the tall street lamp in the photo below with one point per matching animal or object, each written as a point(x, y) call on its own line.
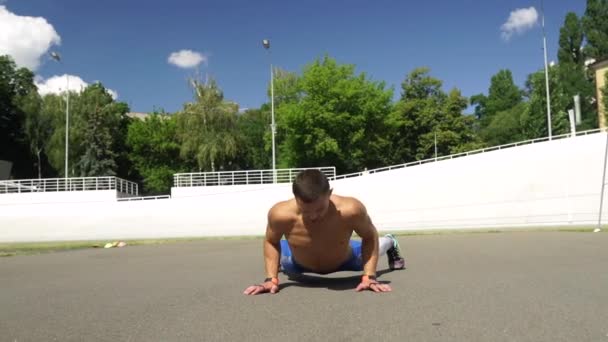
point(266, 44)
point(542, 10)
point(57, 57)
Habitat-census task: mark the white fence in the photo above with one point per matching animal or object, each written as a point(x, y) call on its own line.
point(69, 184)
point(144, 198)
point(245, 177)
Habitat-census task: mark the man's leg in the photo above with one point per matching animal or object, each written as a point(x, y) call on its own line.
point(387, 245)
point(390, 246)
point(288, 265)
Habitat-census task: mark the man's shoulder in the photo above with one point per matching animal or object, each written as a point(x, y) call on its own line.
point(283, 212)
point(349, 206)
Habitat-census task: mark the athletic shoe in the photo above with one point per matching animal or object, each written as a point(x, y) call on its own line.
point(395, 259)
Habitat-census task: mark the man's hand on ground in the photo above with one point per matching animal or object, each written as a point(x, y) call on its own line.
point(373, 286)
point(268, 286)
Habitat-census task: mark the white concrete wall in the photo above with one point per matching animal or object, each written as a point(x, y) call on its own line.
point(206, 215)
point(58, 197)
point(552, 183)
point(186, 192)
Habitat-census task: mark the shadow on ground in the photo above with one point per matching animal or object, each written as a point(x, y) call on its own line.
point(331, 283)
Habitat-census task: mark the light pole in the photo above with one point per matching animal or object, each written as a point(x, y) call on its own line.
point(266, 44)
point(57, 57)
point(542, 10)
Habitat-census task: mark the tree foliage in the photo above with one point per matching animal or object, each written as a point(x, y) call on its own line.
point(595, 26)
point(424, 112)
point(503, 95)
point(255, 150)
point(571, 41)
point(154, 151)
point(17, 93)
point(337, 121)
point(97, 132)
point(535, 119)
point(571, 74)
point(207, 127)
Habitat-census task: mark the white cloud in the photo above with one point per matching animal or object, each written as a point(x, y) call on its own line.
point(520, 20)
point(187, 58)
point(25, 38)
point(58, 84)
point(113, 93)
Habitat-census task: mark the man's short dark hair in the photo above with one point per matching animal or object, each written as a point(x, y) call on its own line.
point(309, 185)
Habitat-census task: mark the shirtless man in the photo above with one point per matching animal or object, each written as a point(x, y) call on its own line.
point(318, 227)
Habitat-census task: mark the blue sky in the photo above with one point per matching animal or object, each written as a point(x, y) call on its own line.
point(126, 44)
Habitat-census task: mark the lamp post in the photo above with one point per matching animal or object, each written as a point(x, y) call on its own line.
point(542, 10)
point(57, 58)
point(266, 44)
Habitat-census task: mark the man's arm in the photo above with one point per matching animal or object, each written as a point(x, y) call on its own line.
point(369, 240)
point(272, 254)
point(369, 250)
point(272, 247)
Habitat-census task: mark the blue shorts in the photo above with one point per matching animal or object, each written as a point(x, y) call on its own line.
point(289, 265)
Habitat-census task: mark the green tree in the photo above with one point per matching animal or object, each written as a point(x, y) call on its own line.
point(453, 131)
point(456, 132)
point(16, 86)
point(154, 151)
point(595, 26)
point(53, 107)
point(425, 112)
point(503, 95)
point(103, 134)
point(415, 115)
point(98, 159)
point(207, 129)
point(338, 120)
point(38, 128)
point(479, 101)
point(287, 87)
point(97, 132)
point(120, 122)
point(572, 80)
point(570, 41)
point(571, 73)
point(254, 151)
point(534, 120)
point(507, 126)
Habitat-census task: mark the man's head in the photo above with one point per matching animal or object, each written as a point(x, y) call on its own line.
point(312, 192)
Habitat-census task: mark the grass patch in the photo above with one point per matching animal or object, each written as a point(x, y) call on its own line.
point(14, 249)
point(580, 229)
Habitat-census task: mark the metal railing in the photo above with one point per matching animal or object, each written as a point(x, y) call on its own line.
point(143, 198)
point(245, 177)
point(69, 184)
point(464, 154)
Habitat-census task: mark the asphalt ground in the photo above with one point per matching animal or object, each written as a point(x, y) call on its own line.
point(508, 286)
